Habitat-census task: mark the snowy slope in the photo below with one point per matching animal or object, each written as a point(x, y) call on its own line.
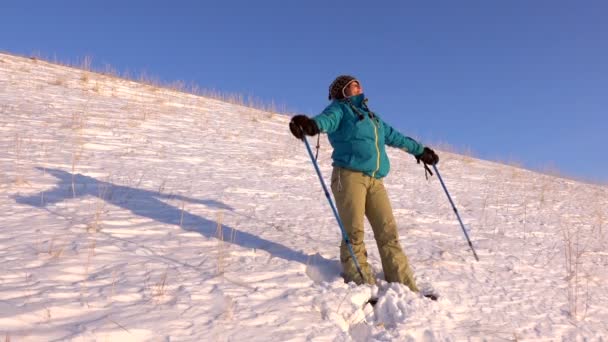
point(133, 213)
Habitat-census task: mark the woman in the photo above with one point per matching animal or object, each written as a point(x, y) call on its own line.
point(360, 162)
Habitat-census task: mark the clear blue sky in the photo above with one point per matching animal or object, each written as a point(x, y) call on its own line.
point(523, 81)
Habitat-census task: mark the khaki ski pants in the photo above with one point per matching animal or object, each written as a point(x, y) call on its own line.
point(358, 195)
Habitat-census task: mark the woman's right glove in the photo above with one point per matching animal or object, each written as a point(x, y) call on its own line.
point(428, 156)
point(301, 124)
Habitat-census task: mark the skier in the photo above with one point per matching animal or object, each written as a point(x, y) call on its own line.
point(360, 162)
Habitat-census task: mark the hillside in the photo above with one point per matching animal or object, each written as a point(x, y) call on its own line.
point(137, 213)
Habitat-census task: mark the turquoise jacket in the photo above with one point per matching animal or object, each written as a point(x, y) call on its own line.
point(358, 139)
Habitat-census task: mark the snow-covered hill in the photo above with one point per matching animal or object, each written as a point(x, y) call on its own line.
point(134, 213)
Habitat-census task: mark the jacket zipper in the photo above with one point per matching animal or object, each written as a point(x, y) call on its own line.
point(377, 149)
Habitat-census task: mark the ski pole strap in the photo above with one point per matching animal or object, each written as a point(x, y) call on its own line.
point(318, 146)
point(427, 171)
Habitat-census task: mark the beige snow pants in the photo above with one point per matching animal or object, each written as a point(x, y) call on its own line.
point(358, 195)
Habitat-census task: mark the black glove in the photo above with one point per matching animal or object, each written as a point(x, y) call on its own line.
point(428, 156)
point(301, 124)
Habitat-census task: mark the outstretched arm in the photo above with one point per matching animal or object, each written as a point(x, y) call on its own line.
point(62, 190)
point(329, 120)
point(393, 138)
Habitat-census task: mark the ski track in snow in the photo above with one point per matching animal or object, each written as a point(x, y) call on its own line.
point(137, 213)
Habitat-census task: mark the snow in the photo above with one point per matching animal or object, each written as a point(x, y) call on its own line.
point(135, 213)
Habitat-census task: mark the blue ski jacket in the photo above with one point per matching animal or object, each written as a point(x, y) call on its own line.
point(358, 137)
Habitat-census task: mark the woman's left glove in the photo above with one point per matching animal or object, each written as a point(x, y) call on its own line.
point(301, 124)
point(428, 156)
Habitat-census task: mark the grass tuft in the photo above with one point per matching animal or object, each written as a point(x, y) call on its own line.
point(86, 65)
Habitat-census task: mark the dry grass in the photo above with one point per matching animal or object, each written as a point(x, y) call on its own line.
point(159, 289)
point(20, 160)
point(55, 252)
point(221, 243)
point(85, 64)
point(221, 250)
point(182, 212)
point(228, 313)
point(583, 240)
point(573, 253)
point(600, 222)
point(465, 151)
point(78, 123)
point(103, 190)
point(162, 186)
point(484, 216)
point(114, 281)
point(87, 267)
point(59, 81)
point(84, 77)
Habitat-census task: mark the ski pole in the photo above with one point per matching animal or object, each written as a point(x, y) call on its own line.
point(455, 211)
point(333, 207)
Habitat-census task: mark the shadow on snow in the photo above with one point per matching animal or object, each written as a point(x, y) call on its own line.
point(148, 204)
